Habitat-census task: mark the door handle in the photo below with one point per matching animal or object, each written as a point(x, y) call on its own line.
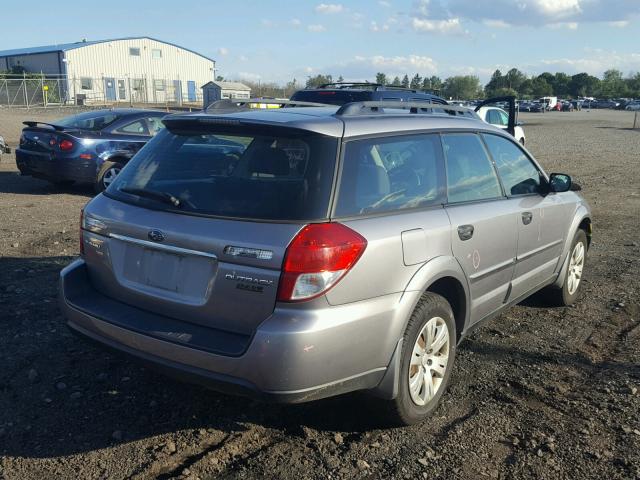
point(527, 217)
point(465, 232)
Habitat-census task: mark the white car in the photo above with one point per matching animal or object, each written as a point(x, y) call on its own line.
point(498, 117)
point(635, 105)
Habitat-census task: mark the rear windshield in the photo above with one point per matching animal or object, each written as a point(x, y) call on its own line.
point(286, 176)
point(332, 97)
point(88, 120)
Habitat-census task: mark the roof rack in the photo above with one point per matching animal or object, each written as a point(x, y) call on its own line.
point(374, 107)
point(235, 104)
point(375, 86)
point(350, 84)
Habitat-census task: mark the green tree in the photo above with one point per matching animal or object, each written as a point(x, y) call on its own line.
point(416, 82)
point(314, 82)
point(613, 85)
point(340, 79)
point(560, 84)
point(462, 87)
point(381, 78)
point(496, 82)
point(540, 87)
point(405, 81)
point(514, 79)
point(435, 83)
point(396, 82)
point(583, 85)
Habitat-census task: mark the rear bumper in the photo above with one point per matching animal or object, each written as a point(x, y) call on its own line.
point(42, 165)
point(294, 356)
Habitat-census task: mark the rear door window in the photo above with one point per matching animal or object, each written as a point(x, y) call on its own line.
point(240, 174)
point(137, 127)
point(470, 173)
point(518, 173)
point(395, 173)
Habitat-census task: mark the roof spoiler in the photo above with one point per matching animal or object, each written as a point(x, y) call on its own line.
point(30, 123)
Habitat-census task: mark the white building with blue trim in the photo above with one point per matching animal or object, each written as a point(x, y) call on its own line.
point(134, 69)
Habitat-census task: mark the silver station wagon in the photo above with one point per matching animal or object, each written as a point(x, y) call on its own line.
point(303, 252)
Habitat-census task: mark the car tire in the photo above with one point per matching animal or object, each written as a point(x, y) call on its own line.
point(569, 292)
point(107, 174)
point(431, 318)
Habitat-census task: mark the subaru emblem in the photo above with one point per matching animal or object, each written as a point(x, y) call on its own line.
point(156, 236)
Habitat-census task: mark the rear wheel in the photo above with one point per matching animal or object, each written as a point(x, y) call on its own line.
point(107, 174)
point(428, 352)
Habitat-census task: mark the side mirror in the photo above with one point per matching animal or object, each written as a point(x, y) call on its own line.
point(559, 182)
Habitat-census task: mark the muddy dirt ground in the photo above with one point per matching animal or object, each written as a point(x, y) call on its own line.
point(541, 393)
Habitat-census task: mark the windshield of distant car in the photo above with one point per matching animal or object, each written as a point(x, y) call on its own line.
point(88, 120)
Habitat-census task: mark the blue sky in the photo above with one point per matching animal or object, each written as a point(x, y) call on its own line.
point(280, 40)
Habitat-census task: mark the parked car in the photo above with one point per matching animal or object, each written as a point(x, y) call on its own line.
point(633, 105)
point(604, 104)
point(567, 106)
point(339, 93)
point(498, 117)
point(90, 147)
point(343, 248)
point(4, 147)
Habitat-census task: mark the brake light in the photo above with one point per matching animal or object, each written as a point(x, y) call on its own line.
point(65, 145)
point(81, 233)
point(317, 258)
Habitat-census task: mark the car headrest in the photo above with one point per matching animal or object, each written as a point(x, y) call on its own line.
point(267, 160)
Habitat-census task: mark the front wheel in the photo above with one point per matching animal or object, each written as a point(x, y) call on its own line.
point(428, 352)
point(570, 290)
point(107, 174)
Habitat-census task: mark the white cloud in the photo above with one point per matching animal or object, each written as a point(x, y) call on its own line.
point(535, 13)
point(595, 62)
point(449, 26)
point(495, 23)
point(567, 25)
point(329, 8)
point(243, 58)
point(374, 27)
point(254, 77)
point(223, 51)
point(384, 3)
point(557, 7)
point(267, 23)
point(619, 24)
point(316, 28)
point(295, 22)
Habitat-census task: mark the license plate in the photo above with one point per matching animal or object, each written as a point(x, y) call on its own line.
point(162, 270)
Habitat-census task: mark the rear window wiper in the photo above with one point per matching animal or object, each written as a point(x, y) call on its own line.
point(153, 194)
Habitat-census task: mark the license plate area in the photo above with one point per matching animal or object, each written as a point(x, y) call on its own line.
point(171, 276)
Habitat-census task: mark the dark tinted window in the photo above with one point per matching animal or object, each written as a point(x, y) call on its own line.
point(470, 173)
point(519, 175)
point(88, 120)
point(242, 174)
point(391, 174)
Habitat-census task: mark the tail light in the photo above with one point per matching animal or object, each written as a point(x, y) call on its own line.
point(65, 145)
point(81, 234)
point(317, 258)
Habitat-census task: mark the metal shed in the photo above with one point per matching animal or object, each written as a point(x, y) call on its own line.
point(132, 70)
point(217, 90)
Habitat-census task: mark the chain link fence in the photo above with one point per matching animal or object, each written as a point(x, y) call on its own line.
point(43, 91)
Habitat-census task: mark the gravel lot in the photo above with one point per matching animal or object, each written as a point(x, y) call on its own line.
point(544, 393)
